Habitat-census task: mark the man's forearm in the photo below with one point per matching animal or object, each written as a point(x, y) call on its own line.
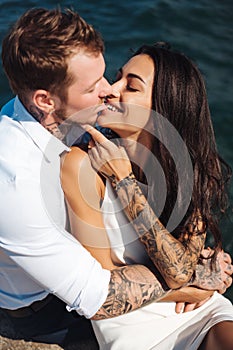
point(130, 288)
point(134, 286)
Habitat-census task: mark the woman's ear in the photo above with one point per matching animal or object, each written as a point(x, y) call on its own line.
point(44, 101)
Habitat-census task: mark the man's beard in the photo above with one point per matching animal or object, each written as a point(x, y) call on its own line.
point(66, 127)
point(61, 114)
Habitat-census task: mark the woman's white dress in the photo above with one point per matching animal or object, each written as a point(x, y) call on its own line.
point(155, 326)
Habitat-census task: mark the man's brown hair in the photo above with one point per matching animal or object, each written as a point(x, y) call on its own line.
point(35, 51)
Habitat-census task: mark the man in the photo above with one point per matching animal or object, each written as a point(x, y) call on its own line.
point(55, 66)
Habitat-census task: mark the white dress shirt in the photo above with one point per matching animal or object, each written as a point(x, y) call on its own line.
point(37, 255)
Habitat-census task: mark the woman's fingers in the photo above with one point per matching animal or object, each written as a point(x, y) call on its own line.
point(227, 281)
point(95, 134)
point(91, 143)
point(207, 253)
point(225, 263)
point(227, 257)
point(106, 157)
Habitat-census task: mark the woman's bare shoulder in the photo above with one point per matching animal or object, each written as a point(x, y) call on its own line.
point(76, 169)
point(72, 163)
point(74, 158)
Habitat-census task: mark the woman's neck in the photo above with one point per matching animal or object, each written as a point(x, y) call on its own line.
point(138, 148)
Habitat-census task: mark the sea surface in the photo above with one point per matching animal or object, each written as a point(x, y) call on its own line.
point(202, 29)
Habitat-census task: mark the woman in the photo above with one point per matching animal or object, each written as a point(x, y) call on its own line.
point(167, 82)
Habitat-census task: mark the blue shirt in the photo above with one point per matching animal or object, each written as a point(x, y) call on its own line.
point(37, 254)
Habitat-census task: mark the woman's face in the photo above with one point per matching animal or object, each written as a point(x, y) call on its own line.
point(129, 107)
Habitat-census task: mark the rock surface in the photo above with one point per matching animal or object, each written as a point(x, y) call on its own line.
point(9, 340)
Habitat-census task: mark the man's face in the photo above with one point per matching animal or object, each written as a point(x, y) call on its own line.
point(87, 89)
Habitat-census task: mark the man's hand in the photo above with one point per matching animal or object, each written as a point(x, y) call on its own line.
point(185, 307)
point(188, 298)
point(214, 276)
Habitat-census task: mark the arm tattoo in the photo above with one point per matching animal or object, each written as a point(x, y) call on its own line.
point(130, 288)
point(176, 260)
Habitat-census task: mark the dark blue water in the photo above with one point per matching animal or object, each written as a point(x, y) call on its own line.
point(201, 29)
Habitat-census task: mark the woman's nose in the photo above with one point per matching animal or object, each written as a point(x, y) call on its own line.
point(116, 90)
point(115, 93)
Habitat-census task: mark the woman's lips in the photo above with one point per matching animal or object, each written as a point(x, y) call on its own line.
point(113, 107)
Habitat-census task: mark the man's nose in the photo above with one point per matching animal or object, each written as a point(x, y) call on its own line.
point(106, 88)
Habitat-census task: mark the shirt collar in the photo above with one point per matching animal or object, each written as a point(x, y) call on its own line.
point(43, 139)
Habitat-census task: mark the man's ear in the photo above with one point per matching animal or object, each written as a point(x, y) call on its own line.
point(44, 101)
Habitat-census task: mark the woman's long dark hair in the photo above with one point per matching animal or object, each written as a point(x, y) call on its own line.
point(179, 95)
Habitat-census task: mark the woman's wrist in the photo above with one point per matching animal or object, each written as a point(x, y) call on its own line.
point(124, 182)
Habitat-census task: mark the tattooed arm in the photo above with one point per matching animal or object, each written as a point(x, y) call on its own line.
point(130, 288)
point(175, 261)
point(134, 286)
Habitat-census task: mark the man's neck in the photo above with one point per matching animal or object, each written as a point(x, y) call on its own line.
point(48, 121)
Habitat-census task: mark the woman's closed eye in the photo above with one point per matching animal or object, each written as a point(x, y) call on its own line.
point(131, 88)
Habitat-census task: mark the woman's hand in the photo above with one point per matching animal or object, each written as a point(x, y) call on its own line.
point(191, 298)
point(216, 275)
point(106, 157)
